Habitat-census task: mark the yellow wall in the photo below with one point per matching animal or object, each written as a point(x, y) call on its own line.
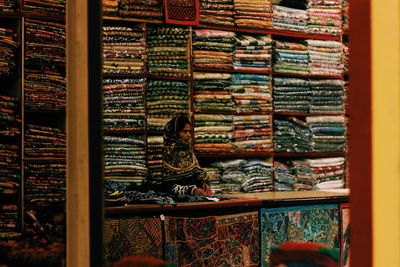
point(386, 131)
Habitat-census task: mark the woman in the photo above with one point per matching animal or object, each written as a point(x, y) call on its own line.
point(182, 174)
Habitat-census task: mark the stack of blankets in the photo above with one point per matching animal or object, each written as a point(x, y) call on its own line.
point(124, 50)
point(292, 135)
point(325, 16)
point(44, 42)
point(212, 92)
point(252, 133)
point(213, 49)
point(44, 90)
point(325, 57)
point(292, 19)
point(217, 12)
point(284, 179)
point(326, 96)
point(253, 14)
point(328, 133)
point(53, 8)
point(232, 174)
point(10, 123)
point(151, 9)
point(125, 159)
point(155, 159)
point(157, 124)
point(110, 7)
point(9, 6)
point(124, 104)
point(291, 95)
point(167, 51)
point(8, 47)
point(214, 177)
point(213, 133)
point(291, 57)
point(253, 53)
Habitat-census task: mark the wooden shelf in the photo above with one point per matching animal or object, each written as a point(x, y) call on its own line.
point(111, 18)
point(47, 16)
point(123, 75)
point(234, 112)
point(233, 154)
point(231, 70)
point(307, 75)
point(309, 154)
point(305, 114)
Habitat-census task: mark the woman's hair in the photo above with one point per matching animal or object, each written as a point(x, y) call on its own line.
point(174, 126)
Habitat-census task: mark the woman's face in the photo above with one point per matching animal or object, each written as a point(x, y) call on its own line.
point(185, 133)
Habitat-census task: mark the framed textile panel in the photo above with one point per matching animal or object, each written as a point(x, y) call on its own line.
point(229, 240)
point(345, 234)
point(314, 223)
point(137, 236)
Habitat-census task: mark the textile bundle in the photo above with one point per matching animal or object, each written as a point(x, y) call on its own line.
point(253, 14)
point(214, 177)
point(151, 9)
point(291, 19)
point(10, 122)
point(213, 133)
point(155, 158)
point(9, 6)
point(52, 8)
point(284, 179)
point(124, 104)
point(326, 96)
point(217, 12)
point(253, 53)
point(213, 49)
point(110, 7)
point(157, 124)
point(292, 135)
point(44, 90)
point(124, 50)
point(125, 159)
point(167, 50)
point(328, 133)
point(252, 133)
point(291, 95)
point(8, 48)
point(325, 57)
point(291, 57)
point(325, 16)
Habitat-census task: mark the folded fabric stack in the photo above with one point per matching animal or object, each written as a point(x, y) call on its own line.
point(110, 7)
point(167, 51)
point(155, 159)
point(292, 19)
point(302, 171)
point(291, 57)
point(253, 53)
point(251, 93)
point(346, 52)
point(44, 90)
point(124, 104)
point(291, 95)
point(214, 177)
point(124, 50)
point(328, 173)
point(253, 14)
point(8, 46)
point(157, 124)
point(232, 174)
point(258, 176)
point(125, 159)
point(212, 92)
point(325, 16)
point(217, 12)
point(345, 15)
point(292, 135)
point(44, 42)
point(151, 9)
point(10, 123)
point(284, 179)
point(328, 133)
point(326, 96)
point(53, 8)
point(213, 133)
point(9, 6)
point(325, 57)
point(252, 133)
point(213, 49)
point(346, 96)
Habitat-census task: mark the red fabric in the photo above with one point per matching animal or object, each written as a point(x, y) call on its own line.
point(139, 261)
point(182, 12)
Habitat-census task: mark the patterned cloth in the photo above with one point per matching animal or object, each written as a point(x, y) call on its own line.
point(325, 57)
point(8, 46)
point(292, 135)
point(7, 6)
point(53, 8)
point(325, 16)
point(291, 95)
point(292, 19)
point(253, 52)
point(216, 12)
point(291, 57)
point(253, 13)
point(152, 9)
point(328, 133)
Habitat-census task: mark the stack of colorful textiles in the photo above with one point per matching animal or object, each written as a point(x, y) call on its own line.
point(326, 96)
point(232, 174)
point(292, 135)
point(124, 104)
point(213, 49)
point(217, 12)
point(44, 90)
point(253, 14)
point(44, 42)
point(253, 53)
point(346, 52)
point(10, 123)
point(212, 92)
point(155, 159)
point(252, 133)
point(325, 16)
point(345, 15)
point(346, 96)
point(125, 159)
point(151, 9)
point(327, 172)
point(53, 8)
point(325, 57)
point(167, 51)
point(44, 142)
point(9, 6)
point(291, 95)
point(124, 50)
point(8, 46)
point(157, 124)
point(301, 170)
point(214, 177)
point(328, 133)
point(213, 133)
point(258, 176)
point(291, 19)
point(284, 179)
point(291, 57)
point(251, 93)
point(110, 7)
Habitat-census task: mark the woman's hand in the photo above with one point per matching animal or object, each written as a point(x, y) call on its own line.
point(207, 189)
point(199, 192)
